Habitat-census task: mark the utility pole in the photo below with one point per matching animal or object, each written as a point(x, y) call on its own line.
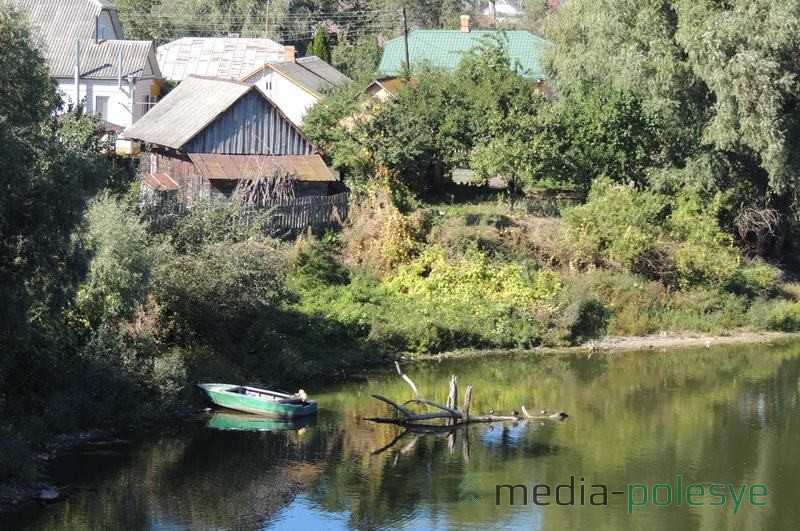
point(405, 40)
point(266, 22)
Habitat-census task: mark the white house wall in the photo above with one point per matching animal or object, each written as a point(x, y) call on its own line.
point(119, 100)
point(291, 99)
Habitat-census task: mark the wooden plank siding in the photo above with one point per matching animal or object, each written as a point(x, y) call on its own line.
point(251, 126)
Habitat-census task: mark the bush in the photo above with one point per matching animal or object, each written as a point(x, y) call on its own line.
point(16, 459)
point(618, 225)
point(121, 261)
point(222, 286)
point(780, 316)
point(583, 319)
point(756, 278)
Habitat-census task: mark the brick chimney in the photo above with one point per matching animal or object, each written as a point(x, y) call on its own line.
point(464, 23)
point(289, 54)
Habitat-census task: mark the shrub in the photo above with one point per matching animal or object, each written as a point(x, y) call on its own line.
point(703, 254)
point(617, 225)
point(222, 286)
point(756, 278)
point(121, 262)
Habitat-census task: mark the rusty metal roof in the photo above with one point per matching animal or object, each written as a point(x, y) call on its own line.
point(306, 168)
point(392, 85)
point(224, 58)
point(160, 182)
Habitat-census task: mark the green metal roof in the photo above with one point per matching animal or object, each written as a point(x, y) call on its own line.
point(445, 48)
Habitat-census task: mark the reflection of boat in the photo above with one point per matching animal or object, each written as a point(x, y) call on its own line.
point(260, 401)
point(243, 421)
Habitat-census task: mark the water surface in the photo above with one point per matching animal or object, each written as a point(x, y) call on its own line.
point(727, 415)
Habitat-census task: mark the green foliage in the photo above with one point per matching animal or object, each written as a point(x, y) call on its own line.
point(676, 240)
point(220, 286)
point(320, 46)
point(211, 222)
point(357, 59)
point(121, 264)
point(618, 225)
point(597, 132)
point(713, 77)
point(324, 125)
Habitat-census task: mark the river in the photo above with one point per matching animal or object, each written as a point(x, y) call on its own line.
point(712, 416)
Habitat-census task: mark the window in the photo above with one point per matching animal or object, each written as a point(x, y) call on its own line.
point(101, 106)
point(148, 103)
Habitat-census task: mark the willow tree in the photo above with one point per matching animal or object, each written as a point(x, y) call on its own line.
point(719, 78)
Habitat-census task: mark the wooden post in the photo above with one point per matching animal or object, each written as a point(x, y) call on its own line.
point(465, 409)
point(405, 42)
point(452, 398)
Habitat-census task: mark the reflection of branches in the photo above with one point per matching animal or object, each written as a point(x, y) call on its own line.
point(420, 431)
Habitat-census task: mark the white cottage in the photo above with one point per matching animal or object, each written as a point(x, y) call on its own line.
point(296, 85)
point(83, 43)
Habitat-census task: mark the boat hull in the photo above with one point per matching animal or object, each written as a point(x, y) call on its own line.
point(220, 395)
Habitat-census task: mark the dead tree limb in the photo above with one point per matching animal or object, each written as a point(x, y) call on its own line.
point(408, 380)
point(449, 412)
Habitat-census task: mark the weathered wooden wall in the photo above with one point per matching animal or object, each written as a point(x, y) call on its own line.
point(250, 127)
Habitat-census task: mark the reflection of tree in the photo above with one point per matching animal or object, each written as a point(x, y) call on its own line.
point(637, 417)
point(710, 415)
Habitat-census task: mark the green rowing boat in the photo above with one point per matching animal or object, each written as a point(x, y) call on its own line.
point(260, 401)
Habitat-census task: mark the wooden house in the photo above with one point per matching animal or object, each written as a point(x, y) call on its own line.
point(208, 134)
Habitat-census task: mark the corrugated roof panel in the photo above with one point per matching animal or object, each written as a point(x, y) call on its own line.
point(446, 48)
point(311, 73)
point(58, 23)
point(160, 182)
point(185, 111)
point(225, 58)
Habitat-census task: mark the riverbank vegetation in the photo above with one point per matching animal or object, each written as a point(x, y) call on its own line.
point(110, 311)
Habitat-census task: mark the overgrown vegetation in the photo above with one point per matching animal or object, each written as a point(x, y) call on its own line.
point(689, 217)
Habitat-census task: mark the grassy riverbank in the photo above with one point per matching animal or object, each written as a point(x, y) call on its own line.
point(165, 305)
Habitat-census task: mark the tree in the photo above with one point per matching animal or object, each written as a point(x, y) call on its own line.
point(320, 46)
point(358, 59)
point(717, 78)
point(47, 175)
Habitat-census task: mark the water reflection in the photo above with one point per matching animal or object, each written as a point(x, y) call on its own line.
point(726, 415)
point(228, 420)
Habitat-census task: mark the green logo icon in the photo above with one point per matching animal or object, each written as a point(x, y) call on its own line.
point(469, 491)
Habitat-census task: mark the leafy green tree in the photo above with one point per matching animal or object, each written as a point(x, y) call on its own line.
point(593, 133)
point(47, 175)
point(320, 46)
point(122, 261)
point(358, 59)
point(717, 78)
point(427, 13)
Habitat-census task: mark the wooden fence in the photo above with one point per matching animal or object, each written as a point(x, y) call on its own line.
point(312, 211)
point(292, 215)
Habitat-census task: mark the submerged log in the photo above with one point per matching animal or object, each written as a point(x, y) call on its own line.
point(449, 412)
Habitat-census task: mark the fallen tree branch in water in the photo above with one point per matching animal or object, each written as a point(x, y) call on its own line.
point(450, 412)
